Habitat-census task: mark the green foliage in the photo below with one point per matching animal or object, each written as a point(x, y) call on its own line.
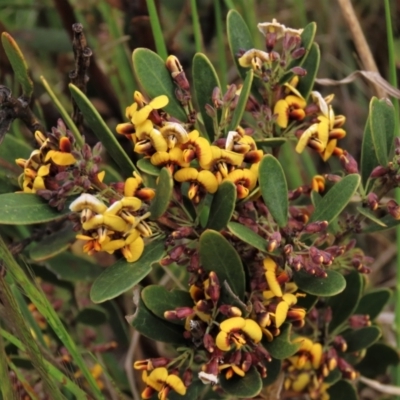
point(163, 195)
point(333, 284)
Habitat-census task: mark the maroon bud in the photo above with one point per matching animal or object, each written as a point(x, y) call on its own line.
point(333, 178)
point(299, 71)
point(209, 343)
point(340, 344)
point(315, 255)
point(372, 201)
point(230, 93)
point(246, 362)
point(187, 377)
point(359, 321)
point(288, 249)
point(296, 193)
point(378, 171)
point(216, 97)
point(252, 104)
point(210, 110)
point(298, 53)
point(203, 306)
point(348, 163)
point(393, 209)
point(315, 227)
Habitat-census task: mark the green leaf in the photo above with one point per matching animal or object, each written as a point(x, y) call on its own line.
point(342, 390)
point(248, 386)
point(358, 339)
point(163, 195)
point(27, 209)
point(344, 304)
point(73, 268)
point(281, 346)
point(271, 142)
point(51, 245)
point(149, 325)
point(336, 199)
point(222, 206)
point(311, 65)
point(218, 255)
point(248, 236)
point(385, 223)
point(239, 38)
point(241, 105)
point(158, 300)
point(307, 302)
point(92, 316)
point(151, 72)
point(18, 64)
point(333, 377)
point(145, 165)
point(102, 131)
point(205, 79)
point(12, 148)
point(379, 119)
point(372, 303)
point(368, 157)
point(157, 29)
point(377, 359)
point(307, 39)
point(274, 189)
point(368, 214)
point(333, 284)
point(123, 275)
point(274, 368)
point(388, 121)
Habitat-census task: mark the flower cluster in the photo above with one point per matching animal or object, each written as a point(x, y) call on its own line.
point(120, 226)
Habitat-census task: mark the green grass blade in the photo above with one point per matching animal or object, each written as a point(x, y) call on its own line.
point(222, 64)
point(157, 31)
point(198, 40)
point(6, 389)
point(51, 316)
point(64, 114)
point(55, 373)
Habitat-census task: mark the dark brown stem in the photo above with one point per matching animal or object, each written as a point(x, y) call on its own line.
point(79, 76)
point(12, 108)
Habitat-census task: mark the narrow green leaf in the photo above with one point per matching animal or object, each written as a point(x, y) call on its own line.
point(222, 206)
point(145, 165)
point(27, 209)
point(274, 368)
point(102, 132)
point(93, 316)
point(122, 276)
point(157, 30)
point(18, 63)
point(149, 325)
point(282, 347)
point(198, 38)
point(55, 374)
point(64, 114)
point(163, 195)
point(311, 65)
point(368, 157)
point(336, 199)
point(205, 79)
point(151, 72)
point(12, 148)
point(51, 245)
point(271, 142)
point(344, 304)
point(73, 268)
point(241, 105)
point(373, 302)
point(158, 300)
point(380, 121)
point(333, 284)
point(368, 214)
point(307, 39)
point(342, 390)
point(386, 222)
point(218, 255)
point(274, 188)
point(239, 38)
point(242, 387)
point(248, 236)
point(377, 359)
point(359, 339)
